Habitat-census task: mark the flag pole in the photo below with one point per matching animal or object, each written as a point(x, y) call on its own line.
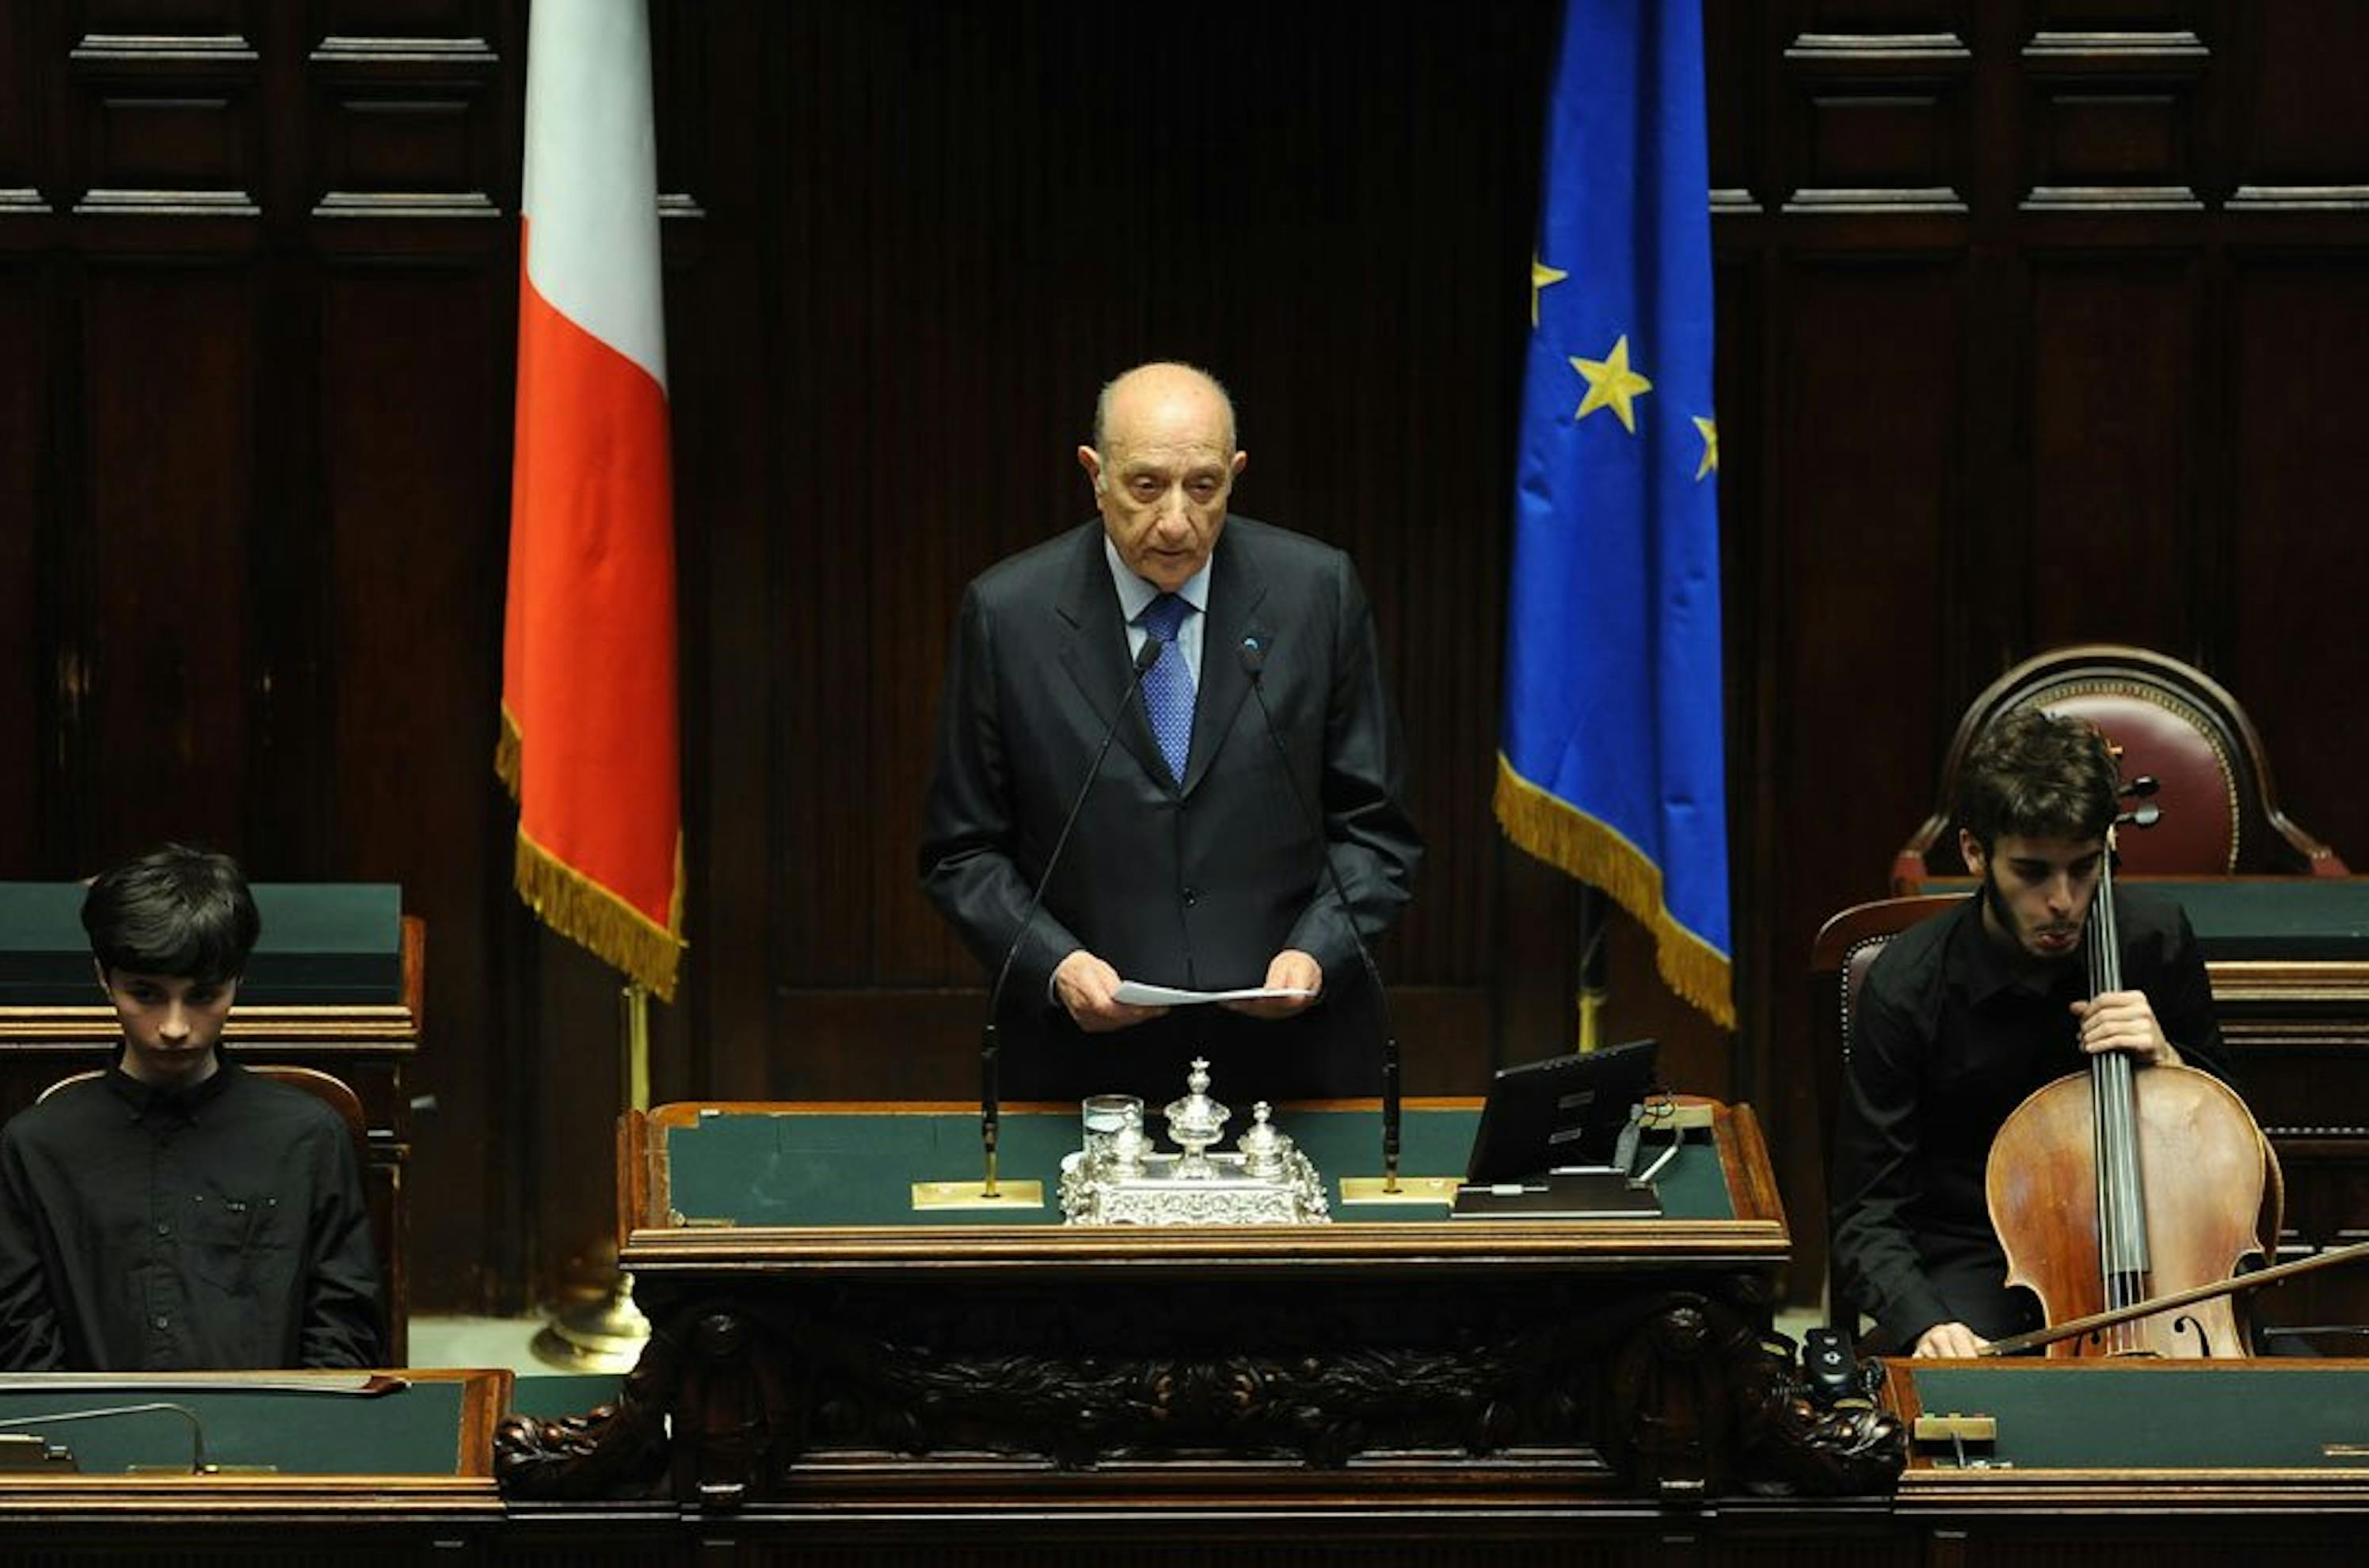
point(1595, 989)
point(607, 1333)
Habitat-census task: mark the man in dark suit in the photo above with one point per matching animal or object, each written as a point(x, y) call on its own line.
point(1198, 872)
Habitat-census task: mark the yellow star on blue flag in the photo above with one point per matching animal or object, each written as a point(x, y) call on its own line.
point(1611, 384)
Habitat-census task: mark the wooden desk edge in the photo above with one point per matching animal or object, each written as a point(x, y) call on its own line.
point(1757, 1235)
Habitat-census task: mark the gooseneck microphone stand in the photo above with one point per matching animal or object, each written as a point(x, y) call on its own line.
point(1253, 657)
point(990, 1064)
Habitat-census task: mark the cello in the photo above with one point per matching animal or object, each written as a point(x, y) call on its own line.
point(2114, 1186)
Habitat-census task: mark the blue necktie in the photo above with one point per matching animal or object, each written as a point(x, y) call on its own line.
point(1168, 685)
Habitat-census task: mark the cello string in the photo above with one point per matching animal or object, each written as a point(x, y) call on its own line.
point(2121, 1205)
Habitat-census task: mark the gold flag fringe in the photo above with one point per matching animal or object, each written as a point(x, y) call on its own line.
point(507, 749)
point(1581, 846)
point(595, 918)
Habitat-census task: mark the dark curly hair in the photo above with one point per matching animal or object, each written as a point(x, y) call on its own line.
point(2039, 775)
point(175, 911)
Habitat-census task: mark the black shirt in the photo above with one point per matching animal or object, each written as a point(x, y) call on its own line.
point(218, 1228)
point(1948, 1038)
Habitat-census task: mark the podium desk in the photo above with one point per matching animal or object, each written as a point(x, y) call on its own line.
point(822, 1351)
point(301, 1463)
point(2158, 1463)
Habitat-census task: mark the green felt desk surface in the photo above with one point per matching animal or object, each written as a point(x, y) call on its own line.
point(831, 1168)
point(549, 1395)
point(2240, 918)
point(413, 1431)
point(323, 943)
point(2155, 1416)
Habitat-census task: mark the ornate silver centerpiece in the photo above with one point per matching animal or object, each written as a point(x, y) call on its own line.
point(1120, 1178)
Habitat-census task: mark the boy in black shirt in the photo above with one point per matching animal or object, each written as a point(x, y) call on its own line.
point(178, 1212)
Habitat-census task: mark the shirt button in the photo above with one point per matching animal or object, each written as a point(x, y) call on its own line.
point(1192, 896)
point(163, 1229)
point(160, 1321)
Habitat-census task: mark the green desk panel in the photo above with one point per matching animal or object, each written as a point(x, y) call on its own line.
point(2159, 1417)
point(414, 1431)
point(323, 943)
point(549, 1395)
point(806, 1168)
point(2238, 917)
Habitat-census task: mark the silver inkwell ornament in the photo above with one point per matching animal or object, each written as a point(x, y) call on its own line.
point(1123, 1179)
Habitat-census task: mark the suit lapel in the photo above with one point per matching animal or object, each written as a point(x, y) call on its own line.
point(1096, 651)
point(1237, 592)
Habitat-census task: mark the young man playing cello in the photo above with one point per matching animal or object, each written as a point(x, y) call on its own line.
point(1964, 1015)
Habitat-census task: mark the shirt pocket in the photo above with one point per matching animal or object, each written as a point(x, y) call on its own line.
point(240, 1242)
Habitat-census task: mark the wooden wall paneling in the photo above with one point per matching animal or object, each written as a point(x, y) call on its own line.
point(1880, 18)
point(413, 416)
point(25, 118)
point(434, 21)
point(1864, 470)
point(852, 280)
point(31, 662)
point(407, 125)
point(167, 122)
point(1740, 289)
point(171, 407)
point(2298, 662)
point(725, 322)
point(2295, 72)
point(1880, 122)
point(2111, 119)
point(957, 247)
point(2125, 17)
point(2115, 352)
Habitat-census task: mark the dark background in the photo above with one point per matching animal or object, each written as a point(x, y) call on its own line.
point(2038, 323)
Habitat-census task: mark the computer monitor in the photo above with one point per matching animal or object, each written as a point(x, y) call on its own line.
point(1561, 1114)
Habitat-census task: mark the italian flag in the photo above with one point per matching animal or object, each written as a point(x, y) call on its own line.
point(589, 745)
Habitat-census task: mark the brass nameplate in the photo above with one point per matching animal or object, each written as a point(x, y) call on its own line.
point(1014, 1195)
point(1956, 1428)
point(1432, 1190)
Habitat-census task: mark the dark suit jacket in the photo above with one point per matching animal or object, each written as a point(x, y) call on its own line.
point(1195, 886)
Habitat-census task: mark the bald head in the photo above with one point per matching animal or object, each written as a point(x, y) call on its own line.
point(1160, 380)
point(1163, 465)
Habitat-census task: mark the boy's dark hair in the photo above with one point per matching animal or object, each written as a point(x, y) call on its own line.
point(175, 911)
point(2039, 775)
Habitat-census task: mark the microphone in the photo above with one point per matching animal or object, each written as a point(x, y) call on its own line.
point(1253, 657)
point(61, 1417)
point(989, 1099)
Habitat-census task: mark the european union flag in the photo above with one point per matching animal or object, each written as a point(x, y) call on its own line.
point(1612, 764)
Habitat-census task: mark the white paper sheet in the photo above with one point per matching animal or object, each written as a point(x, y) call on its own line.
point(1135, 993)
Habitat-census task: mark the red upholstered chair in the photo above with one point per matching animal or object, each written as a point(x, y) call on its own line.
point(2220, 817)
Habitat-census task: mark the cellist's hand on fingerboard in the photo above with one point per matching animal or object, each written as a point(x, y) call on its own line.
point(2124, 1021)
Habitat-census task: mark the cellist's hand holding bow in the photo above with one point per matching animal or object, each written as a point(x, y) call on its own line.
point(2123, 1021)
point(1953, 1339)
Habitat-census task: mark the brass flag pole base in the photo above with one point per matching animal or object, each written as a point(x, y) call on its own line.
point(604, 1335)
point(607, 1333)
